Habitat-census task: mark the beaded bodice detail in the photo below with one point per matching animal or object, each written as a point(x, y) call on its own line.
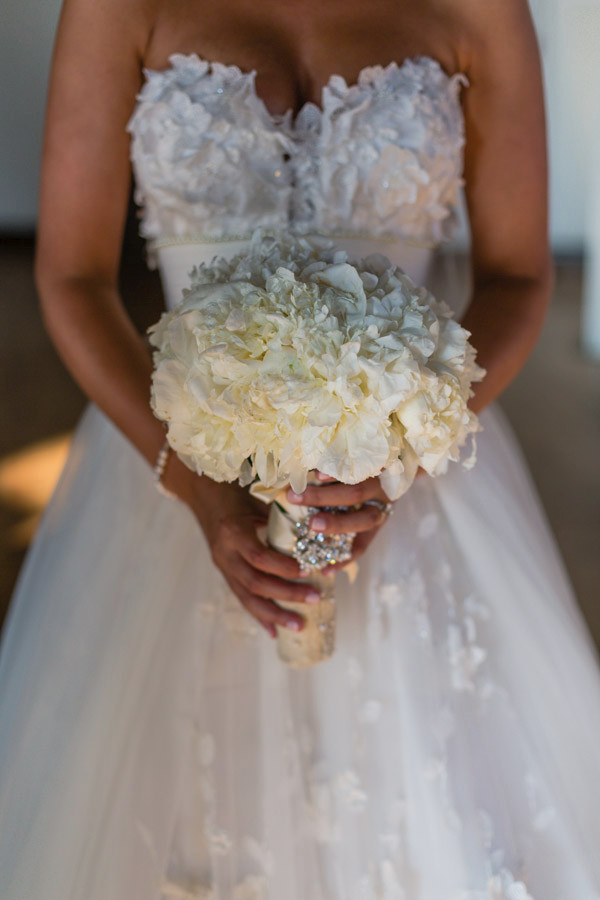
point(381, 157)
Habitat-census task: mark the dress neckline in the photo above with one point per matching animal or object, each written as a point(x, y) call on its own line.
point(367, 74)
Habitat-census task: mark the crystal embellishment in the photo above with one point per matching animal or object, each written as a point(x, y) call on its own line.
point(314, 550)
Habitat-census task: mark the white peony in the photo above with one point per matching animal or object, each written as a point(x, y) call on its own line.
point(287, 358)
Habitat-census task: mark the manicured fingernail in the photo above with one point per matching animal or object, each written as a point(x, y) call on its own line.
point(318, 524)
point(293, 624)
point(313, 597)
point(295, 498)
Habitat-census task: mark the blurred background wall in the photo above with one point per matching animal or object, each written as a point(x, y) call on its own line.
point(26, 34)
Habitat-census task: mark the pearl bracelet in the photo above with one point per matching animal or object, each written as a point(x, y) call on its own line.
point(159, 468)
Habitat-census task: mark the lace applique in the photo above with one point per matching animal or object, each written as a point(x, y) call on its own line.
point(503, 886)
point(464, 654)
point(260, 853)
point(435, 768)
point(500, 887)
point(240, 622)
point(382, 884)
point(205, 749)
point(354, 672)
point(253, 887)
point(502, 883)
point(428, 526)
point(370, 712)
point(410, 592)
point(351, 790)
point(219, 840)
point(320, 808)
point(171, 890)
point(542, 813)
point(236, 618)
point(383, 156)
point(226, 610)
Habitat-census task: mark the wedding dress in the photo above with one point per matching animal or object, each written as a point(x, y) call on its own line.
point(152, 744)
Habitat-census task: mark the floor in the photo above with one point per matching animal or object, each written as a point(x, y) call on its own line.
point(553, 404)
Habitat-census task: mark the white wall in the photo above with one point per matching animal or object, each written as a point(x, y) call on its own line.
point(26, 34)
point(570, 38)
point(571, 53)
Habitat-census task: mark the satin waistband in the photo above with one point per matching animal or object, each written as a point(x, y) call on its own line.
point(177, 256)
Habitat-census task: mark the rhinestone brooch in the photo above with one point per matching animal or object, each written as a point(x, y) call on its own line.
point(314, 550)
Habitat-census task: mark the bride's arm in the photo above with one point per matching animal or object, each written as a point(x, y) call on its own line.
point(96, 74)
point(83, 201)
point(506, 176)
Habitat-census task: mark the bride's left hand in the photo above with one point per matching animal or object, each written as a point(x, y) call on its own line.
point(365, 521)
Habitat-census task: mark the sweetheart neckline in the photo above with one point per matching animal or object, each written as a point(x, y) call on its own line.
point(289, 115)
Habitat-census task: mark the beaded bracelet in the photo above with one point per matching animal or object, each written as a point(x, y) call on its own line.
point(159, 468)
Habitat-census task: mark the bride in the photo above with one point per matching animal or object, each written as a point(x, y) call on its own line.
point(152, 744)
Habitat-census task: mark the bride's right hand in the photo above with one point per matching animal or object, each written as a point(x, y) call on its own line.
point(230, 519)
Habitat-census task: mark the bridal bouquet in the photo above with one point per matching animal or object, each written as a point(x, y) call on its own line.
point(287, 359)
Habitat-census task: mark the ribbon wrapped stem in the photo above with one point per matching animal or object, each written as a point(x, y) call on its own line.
point(289, 533)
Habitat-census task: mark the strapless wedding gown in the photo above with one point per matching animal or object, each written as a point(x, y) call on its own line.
point(152, 744)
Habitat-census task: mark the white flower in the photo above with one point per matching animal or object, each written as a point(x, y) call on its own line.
point(287, 358)
point(388, 145)
point(206, 152)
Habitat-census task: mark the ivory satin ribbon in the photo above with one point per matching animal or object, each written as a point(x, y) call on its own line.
point(315, 642)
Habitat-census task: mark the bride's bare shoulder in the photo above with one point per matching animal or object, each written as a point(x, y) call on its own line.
point(490, 30)
point(485, 14)
point(115, 27)
point(95, 75)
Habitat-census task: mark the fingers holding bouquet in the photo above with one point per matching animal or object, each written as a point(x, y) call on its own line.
point(361, 509)
point(259, 576)
point(344, 508)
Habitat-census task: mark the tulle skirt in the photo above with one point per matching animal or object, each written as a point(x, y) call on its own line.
point(153, 745)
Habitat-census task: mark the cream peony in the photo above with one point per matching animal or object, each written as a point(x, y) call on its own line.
point(287, 358)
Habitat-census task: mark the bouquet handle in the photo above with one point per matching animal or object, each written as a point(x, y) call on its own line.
point(315, 642)
point(286, 531)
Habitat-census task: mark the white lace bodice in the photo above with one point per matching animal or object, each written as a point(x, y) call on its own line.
point(382, 157)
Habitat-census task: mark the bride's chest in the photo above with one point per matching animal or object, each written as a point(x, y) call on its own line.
point(295, 46)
